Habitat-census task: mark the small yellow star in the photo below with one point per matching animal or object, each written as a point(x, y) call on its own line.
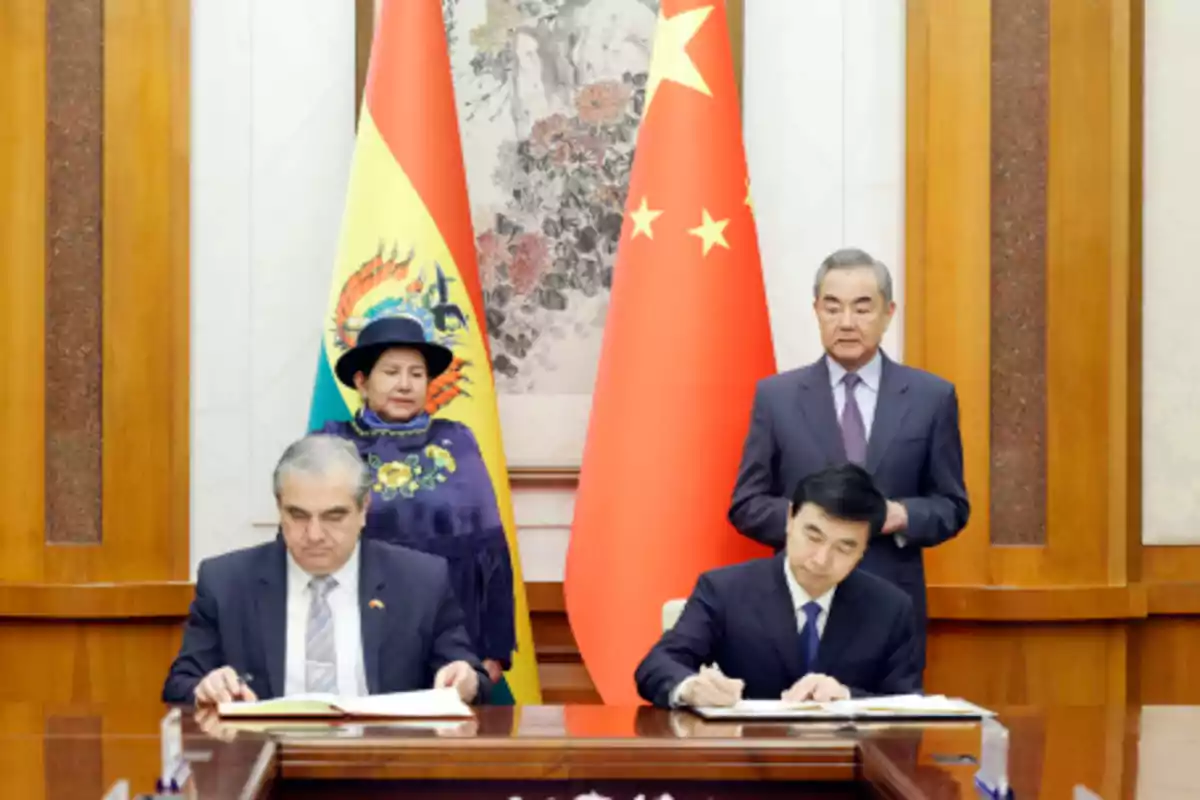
point(710, 231)
point(670, 61)
point(749, 199)
point(642, 216)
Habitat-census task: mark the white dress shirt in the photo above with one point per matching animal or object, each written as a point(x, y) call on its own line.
point(867, 395)
point(867, 392)
point(347, 628)
point(799, 598)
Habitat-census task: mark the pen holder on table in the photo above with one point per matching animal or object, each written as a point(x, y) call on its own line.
point(992, 777)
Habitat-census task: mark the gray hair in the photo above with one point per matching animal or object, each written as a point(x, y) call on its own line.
point(319, 455)
point(853, 258)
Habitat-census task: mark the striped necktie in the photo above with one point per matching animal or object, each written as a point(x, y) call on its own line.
point(320, 652)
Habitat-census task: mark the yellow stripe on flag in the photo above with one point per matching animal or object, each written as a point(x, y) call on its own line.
point(383, 209)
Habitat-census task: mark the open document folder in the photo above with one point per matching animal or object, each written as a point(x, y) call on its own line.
point(427, 704)
point(890, 707)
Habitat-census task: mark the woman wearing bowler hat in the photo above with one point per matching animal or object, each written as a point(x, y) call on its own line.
point(432, 490)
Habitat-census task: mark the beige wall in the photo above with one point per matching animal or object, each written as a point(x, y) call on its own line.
point(1171, 336)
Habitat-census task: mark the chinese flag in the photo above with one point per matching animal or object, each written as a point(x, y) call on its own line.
point(687, 339)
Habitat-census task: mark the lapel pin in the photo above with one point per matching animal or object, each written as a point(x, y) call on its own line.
point(375, 604)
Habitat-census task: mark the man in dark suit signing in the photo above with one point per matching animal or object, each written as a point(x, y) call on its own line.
point(857, 405)
point(804, 625)
point(318, 609)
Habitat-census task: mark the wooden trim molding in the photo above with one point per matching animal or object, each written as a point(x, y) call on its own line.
point(1005, 603)
point(1041, 604)
point(95, 601)
point(170, 599)
point(545, 598)
point(544, 477)
point(1173, 598)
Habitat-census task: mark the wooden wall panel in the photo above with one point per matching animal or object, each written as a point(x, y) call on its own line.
point(146, 293)
point(85, 662)
point(1086, 290)
point(22, 284)
point(1087, 276)
point(947, 242)
point(1028, 663)
point(98, 618)
point(1169, 564)
point(139, 98)
point(1165, 657)
point(22, 758)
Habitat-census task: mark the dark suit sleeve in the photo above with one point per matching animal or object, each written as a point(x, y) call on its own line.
point(200, 652)
point(451, 642)
point(682, 650)
point(898, 672)
point(942, 509)
point(759, 509)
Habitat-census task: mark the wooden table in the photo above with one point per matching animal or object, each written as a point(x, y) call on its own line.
point(562, 752)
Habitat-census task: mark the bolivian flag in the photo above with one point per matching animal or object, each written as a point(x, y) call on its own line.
point(407, 247)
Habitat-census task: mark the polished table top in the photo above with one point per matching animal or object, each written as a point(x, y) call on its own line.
point(79, 751)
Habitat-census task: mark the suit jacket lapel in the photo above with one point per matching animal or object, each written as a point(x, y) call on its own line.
point(841, 627)
point(778, 618)
point(271, 608)
point(816, 402)
point(890, 409)
point(370, 587)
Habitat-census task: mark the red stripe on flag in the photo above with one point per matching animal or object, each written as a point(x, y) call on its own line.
point(410, 95)
point(686, 341)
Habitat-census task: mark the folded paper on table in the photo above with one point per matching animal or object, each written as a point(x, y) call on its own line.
point(347, 727)
point(430, 703)
point(891, 707)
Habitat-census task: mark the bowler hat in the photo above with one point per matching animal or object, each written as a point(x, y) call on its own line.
point(383, 334)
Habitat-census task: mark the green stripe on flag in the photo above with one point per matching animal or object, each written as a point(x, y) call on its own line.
point(327, 402)
point(501, 695)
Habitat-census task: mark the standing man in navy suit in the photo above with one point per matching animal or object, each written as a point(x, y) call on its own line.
point(804, 625)
point(318, 609)
point(857, 405)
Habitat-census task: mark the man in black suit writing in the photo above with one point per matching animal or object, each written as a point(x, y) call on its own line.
point(318, 609)
point(855, 404)
point(804, 625)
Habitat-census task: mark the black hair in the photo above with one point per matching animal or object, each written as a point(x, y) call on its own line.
point(844, 492)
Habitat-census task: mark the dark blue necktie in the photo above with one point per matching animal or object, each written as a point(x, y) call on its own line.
point(810, 638)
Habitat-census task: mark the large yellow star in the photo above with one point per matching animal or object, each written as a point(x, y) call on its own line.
point(642, 216)
point(710, 231)
point(670, 61)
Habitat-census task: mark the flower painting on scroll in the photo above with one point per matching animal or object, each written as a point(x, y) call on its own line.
point(550, 95)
